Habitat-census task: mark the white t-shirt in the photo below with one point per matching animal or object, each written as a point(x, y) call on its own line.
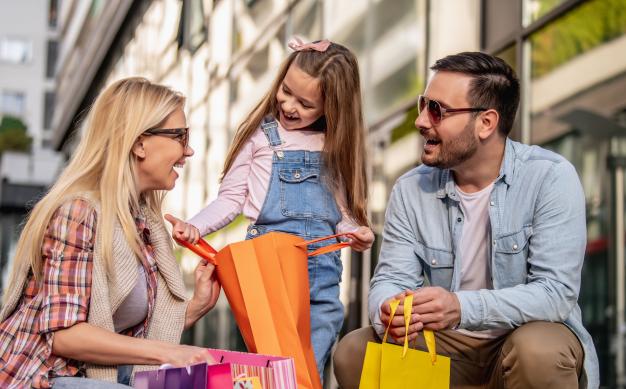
point(475, 250)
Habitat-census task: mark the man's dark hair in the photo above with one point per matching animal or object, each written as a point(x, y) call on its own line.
point(494, 85)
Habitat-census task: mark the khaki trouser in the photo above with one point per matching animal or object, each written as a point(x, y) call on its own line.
point(536, 355)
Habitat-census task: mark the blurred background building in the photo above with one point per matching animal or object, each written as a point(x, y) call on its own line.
point(28, 48)
point(223, 54)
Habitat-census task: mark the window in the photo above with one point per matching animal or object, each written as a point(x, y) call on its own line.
point(192, 31)
point(588, 26)
point(53, 13)
point(12, 103)
point(15, 50)
point(48, 109)
point(51, 58)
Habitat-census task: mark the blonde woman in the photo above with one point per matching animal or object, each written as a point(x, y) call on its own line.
point(95, 291)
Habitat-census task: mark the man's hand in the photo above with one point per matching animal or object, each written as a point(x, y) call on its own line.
point(183, 231)
point(436, 307)
point(397, 328)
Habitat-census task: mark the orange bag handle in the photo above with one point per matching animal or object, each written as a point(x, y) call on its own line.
point(202, 248)
point(326, 249)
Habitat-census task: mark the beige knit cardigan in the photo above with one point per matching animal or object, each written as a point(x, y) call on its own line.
point(107, 293)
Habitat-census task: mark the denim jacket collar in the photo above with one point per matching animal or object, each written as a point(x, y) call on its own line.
point(446, 178)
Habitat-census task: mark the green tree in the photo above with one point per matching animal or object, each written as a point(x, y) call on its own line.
point(13, 135)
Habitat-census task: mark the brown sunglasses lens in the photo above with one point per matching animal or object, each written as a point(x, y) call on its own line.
point(434, 109)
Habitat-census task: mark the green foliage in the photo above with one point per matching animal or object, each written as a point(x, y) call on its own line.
point(587, 26)
point(13, 135)
point(406, 127)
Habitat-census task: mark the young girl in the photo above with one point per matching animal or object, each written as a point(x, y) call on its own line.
point(297, 165)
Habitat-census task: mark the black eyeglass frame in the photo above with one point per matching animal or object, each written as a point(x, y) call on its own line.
point(184, 132)
point(441, 109)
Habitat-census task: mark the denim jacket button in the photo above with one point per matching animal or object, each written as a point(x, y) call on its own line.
point(492, 203)
point(514, 247)
point(433, 261)
point(494, 242)
point(254, 231)
point(296, 175)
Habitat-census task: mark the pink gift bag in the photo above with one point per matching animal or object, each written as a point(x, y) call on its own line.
point(273, 372)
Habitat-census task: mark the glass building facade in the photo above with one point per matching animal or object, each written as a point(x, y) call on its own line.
point(570, 56)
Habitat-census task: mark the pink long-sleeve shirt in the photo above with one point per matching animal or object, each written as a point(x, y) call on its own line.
point(245, 185)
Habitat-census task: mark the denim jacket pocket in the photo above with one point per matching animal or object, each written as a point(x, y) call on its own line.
point(438, 265)
point(515, 242)
point(303, 194)
point(511, 251)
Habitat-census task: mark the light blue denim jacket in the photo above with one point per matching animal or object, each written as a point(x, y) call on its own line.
point(538, 232)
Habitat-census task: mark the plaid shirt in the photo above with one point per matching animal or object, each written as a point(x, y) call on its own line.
point(60, 300)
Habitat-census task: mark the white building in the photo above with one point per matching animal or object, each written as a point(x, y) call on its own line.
point(28, 49)
point(28, 31)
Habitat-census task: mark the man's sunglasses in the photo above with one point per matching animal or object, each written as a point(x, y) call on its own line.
point(436, 112)
point(179, 134)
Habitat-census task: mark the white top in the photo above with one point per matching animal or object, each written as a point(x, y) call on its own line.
point(475, 250)
point(245, 186)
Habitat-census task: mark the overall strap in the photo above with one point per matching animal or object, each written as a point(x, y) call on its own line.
point(269, 125)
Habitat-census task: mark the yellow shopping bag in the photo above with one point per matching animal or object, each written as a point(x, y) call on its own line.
point(389, 366)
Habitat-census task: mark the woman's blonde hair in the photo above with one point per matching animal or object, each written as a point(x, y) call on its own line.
point(103, 166)
point(337, 70)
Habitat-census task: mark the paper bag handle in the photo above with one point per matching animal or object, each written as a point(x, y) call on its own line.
point(202, 248)
point(429, 336)
point(326, 249)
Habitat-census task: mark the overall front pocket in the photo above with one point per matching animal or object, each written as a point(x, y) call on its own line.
point(303, 194)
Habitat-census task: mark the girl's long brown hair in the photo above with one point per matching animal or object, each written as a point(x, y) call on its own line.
point(344, 147)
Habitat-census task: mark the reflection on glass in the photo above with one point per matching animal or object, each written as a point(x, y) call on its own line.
point(398, 32)
point(535, 9)
point(577, 82)
point(509, 55)
point(307, 20)
point(587, 26)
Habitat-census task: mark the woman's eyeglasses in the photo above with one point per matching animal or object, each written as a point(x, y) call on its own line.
point(436, 112)
point(179, 134)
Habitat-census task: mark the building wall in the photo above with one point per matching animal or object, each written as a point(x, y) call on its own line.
point(226, 68)
point(26, 22)
point(226, 75)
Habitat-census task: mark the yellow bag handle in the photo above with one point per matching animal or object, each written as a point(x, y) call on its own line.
point(429, 336)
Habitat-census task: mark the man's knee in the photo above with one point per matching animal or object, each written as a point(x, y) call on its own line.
point(538, 348)
point(349, 354)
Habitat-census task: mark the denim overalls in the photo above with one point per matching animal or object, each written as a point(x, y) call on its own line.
point(298, 202)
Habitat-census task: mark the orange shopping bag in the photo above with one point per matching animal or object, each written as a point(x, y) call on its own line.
point(267, 285)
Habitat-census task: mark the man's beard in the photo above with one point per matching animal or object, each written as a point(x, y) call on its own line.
point(455, 151)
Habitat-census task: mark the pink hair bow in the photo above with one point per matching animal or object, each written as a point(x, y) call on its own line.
point(296, 44)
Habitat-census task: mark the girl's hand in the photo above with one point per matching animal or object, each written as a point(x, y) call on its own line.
point(205, 294)
point(361, 239)
point(183, 231)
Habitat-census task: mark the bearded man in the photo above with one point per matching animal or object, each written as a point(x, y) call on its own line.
point(497, 229)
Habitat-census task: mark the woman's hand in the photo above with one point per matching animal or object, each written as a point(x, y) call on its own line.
point(361, 239)
point(183, 355)
point(183, 231)
point(205, 294)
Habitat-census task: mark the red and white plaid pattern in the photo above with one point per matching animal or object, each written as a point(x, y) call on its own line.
point(61, 300)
